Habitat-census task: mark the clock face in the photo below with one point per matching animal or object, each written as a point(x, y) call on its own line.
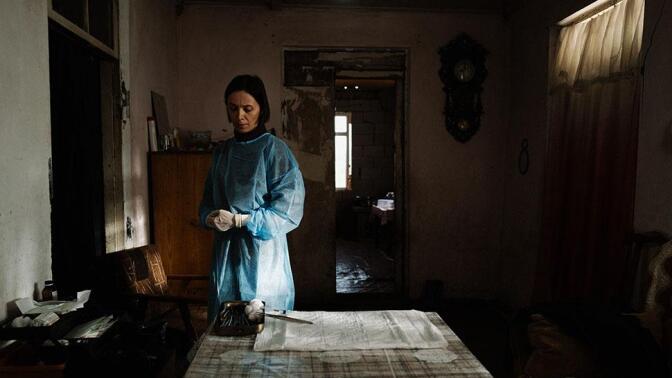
point(463, 125)
point(464, 70)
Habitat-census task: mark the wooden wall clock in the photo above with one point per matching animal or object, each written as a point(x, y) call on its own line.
point(463, 73)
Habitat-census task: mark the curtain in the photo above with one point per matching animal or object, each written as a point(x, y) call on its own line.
point(591, 158)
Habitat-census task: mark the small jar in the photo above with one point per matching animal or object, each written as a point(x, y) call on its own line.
point(49, 292)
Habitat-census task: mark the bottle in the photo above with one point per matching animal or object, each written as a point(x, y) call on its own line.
point(49, 292)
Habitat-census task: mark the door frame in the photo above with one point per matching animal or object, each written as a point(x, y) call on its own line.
point(108, 235)
point(321, 65)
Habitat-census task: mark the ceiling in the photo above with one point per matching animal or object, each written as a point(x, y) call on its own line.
point(364, 84)
point(476, 6)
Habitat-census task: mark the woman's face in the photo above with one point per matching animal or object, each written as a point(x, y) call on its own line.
point(243, 111)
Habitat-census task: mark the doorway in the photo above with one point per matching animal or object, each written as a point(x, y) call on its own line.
point(83, 134)
point(313, 94)
point(364, 172)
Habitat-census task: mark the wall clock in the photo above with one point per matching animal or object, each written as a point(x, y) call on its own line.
point(463, 73)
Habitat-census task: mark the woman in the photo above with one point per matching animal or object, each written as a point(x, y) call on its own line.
point(253, 197)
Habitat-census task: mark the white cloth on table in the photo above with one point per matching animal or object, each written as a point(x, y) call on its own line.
point(394, 329)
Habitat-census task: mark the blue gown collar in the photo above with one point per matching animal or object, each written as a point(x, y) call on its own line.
point(251, 135)
point(236, 141)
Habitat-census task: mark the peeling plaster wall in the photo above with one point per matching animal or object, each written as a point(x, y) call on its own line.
point(152, 68)
point(25, 142)
point(454, 205)
point(307, 114)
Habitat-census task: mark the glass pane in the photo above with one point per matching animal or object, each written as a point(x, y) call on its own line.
point(340, 161)
point(101, 20)
point(341, 124)
point(350, 149)
point(73, 10)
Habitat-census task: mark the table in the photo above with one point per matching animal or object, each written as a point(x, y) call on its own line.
point(233, 357)
point(30, 356)
point(383, 228)
point(382, 216)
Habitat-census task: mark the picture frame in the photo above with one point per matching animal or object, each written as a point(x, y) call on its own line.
point(151, 134)
point(160, 114)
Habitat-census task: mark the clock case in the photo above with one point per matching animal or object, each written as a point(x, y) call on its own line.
point(463, 106)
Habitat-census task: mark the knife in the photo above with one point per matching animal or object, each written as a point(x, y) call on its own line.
point(287, 318)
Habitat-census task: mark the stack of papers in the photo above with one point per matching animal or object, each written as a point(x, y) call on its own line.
point(350, 331)
point(28, 306)
point(45, 319)
point(92, 329)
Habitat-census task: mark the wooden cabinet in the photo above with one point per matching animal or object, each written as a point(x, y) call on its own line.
point(177, 181)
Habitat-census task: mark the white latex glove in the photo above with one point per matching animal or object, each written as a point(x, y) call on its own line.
point(225, 220)
point(210, 219)
point(240, 220)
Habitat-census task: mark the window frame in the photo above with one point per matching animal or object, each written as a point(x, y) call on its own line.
point(84, 34)
point(348, 151)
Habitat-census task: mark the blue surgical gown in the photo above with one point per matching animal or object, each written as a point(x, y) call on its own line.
point(259, 177)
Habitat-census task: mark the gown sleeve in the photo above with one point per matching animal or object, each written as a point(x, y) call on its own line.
point(283, 204)
point(208, 202)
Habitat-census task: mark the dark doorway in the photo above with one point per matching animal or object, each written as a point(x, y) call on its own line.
point(336, 215)
point(366, 230)
point(77, 213)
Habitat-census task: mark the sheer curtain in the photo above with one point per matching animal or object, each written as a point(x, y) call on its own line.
point(591, 157)
point(605, 46)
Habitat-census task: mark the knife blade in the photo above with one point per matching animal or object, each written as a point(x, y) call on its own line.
point(289, 319)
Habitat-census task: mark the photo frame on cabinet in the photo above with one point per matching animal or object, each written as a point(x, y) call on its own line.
point(160, 114)
point(151, 134)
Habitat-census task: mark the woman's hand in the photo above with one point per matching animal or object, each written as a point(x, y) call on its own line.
point(225, 220)
point(210, 219)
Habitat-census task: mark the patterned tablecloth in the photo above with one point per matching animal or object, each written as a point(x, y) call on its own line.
point(233, 357)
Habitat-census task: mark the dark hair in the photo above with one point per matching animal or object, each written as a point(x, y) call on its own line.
point(255, 87)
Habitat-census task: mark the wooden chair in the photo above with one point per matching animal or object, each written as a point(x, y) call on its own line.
point(138, 281)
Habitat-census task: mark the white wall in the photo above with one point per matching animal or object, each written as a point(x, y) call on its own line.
point(25, 144)
point(153, 67)
point(522, 206)
point(454, 197)
point(148, 55)
point(653, 198)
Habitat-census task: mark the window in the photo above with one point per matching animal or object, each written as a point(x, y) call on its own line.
point(598, 46)
point(342, 151)
point(95, 21)
point(89, 28)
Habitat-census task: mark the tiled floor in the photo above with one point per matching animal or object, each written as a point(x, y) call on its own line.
point(362, 268)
